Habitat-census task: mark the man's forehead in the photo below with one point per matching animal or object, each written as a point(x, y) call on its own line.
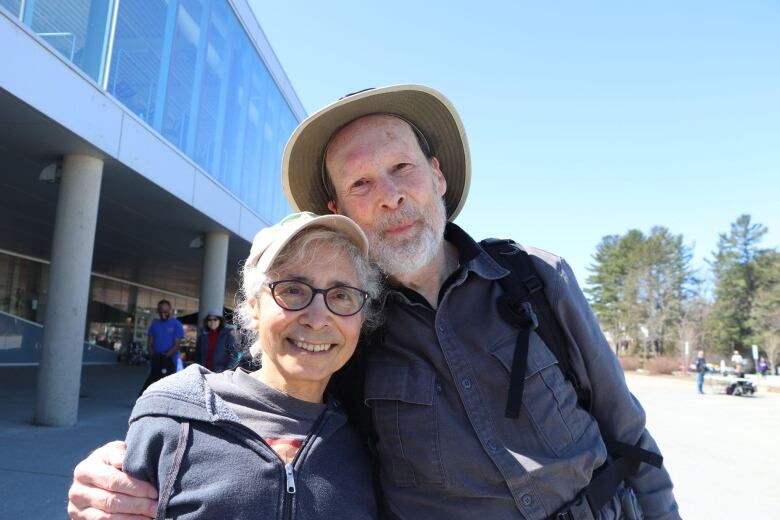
point(364, 123)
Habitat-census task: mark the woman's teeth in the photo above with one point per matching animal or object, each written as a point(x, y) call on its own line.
point(312, 347)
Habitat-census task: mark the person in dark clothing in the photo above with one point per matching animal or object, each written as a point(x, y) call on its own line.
point(216, 347)
point(701, 369)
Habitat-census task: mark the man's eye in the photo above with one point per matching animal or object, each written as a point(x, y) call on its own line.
point(359, 184)
point(401, 166)
point(292, 290)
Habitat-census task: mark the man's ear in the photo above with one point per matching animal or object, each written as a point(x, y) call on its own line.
point(441, 182)
point(332, 207)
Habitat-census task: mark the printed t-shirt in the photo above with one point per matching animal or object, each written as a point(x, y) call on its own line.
point(282, 421)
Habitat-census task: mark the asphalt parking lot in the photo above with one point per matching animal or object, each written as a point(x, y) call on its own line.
point(723, 452)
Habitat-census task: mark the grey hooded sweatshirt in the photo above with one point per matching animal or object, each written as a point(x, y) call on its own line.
point(191, 445)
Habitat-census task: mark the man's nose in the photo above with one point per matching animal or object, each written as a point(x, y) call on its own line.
point(392, 196)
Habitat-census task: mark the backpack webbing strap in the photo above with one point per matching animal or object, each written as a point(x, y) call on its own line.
point(524, 304)
point(620, 449)
point(525, 299)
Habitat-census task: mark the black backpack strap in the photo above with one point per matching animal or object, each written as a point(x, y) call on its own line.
point(607, 478)
point(525, 300)
point(525, 304)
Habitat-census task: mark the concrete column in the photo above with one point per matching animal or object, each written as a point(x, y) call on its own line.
point(212, 281)
point(59, 375)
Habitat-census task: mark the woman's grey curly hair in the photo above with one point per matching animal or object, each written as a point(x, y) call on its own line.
point(301, 250)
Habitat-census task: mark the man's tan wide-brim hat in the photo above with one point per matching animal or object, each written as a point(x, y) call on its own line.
point(427, 109)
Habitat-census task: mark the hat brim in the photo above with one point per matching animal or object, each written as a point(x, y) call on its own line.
point(338, 223)
point(426, 108)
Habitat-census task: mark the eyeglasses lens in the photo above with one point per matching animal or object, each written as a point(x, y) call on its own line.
point(294, 296)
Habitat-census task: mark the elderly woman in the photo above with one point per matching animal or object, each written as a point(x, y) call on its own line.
point(215, 347)
point(270, 444)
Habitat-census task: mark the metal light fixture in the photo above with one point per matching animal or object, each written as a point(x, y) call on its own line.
point(51, 173)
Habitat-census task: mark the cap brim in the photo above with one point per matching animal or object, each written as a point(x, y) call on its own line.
point(426, 108)
point(338, 223)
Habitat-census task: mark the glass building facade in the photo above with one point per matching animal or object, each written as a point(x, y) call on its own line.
point(190, 71)
point(118, 315)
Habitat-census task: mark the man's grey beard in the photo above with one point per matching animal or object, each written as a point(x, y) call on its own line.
point(413, 253)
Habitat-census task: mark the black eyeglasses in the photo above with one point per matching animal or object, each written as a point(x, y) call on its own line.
point(294, 295)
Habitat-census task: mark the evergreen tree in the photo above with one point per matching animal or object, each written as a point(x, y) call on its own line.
point(735, 269)
point(765, 313)
point(637, 288)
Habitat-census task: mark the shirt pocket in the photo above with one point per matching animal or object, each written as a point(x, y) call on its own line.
point(548, 398)
point(402, 400)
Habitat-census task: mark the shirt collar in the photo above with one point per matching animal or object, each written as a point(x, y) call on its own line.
point(471, 254)
point(471, 257)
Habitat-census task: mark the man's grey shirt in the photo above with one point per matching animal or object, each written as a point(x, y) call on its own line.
point(437, 387)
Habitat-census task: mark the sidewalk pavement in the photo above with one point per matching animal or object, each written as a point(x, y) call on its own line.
point(36, 462)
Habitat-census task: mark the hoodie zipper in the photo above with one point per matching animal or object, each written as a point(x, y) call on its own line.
point(289, 469)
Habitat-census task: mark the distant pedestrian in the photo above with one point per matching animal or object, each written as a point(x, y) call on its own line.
point(216, 346)
point(763, 366)
point(701, 369)
point(739, 362)
point(164, 338)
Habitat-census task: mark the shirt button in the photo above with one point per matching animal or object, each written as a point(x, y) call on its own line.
point(441, 328)
point(492, 446)
point(466, 382)
point(438, 388)
point(526, 500)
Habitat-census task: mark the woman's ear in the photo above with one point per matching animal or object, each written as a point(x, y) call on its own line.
point(254, 324)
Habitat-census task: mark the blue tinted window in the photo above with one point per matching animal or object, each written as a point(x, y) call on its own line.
point(186, 61)
point(78, 29)
point(189, 70)
point(136, 59)
point(12, 6)
point(228, 168)
point(213, 89)
point(253, 137)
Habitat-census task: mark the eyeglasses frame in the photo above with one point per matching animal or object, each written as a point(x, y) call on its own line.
point(314, 292)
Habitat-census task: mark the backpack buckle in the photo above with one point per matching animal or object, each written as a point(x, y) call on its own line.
point(522, 314)
point(577, 510)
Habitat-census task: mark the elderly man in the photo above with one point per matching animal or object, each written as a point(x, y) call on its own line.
point(459, 430)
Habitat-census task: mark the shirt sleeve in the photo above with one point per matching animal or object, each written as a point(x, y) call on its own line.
point(152, 442)
point(179, 333)
point(618, 413)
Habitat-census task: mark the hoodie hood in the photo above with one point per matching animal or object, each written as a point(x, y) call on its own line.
point(184, 395)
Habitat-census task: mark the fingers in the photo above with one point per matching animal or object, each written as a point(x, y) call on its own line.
point(95, 514)
point(102, 469)
point(100, 490)
point(91, 503)
point(113, 453)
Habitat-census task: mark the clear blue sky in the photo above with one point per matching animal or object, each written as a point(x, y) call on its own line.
point(585, 118)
